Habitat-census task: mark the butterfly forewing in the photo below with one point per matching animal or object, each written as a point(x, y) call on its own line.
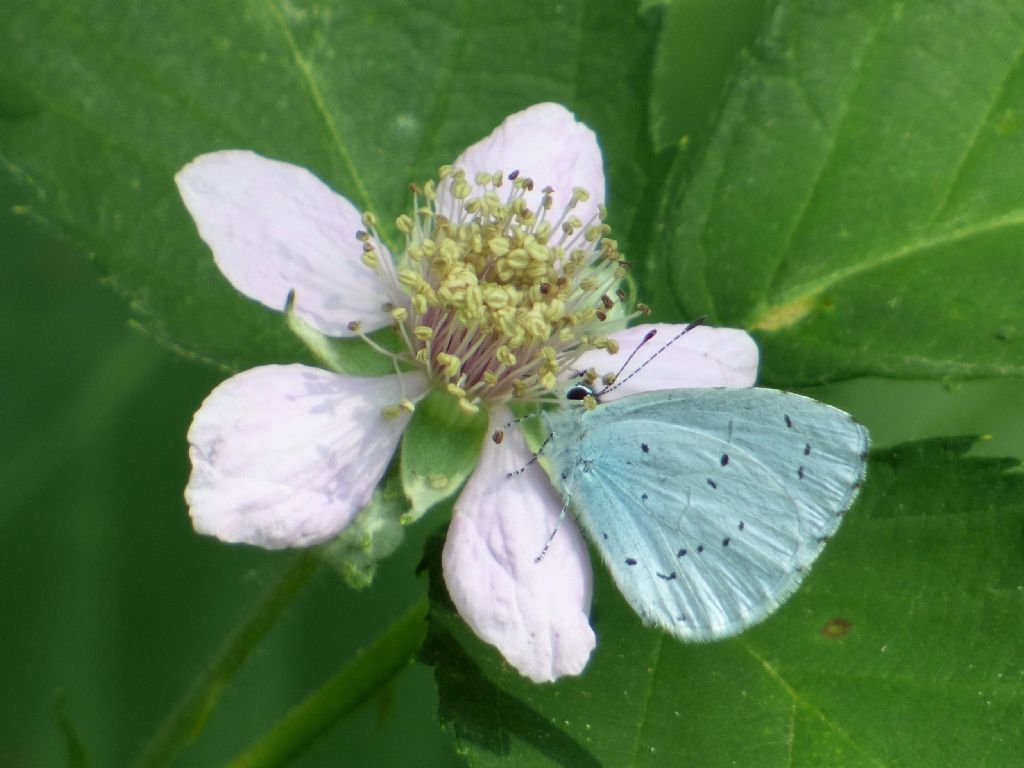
point(708, 506)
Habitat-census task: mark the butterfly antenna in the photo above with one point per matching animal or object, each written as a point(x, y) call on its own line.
point(648, 337)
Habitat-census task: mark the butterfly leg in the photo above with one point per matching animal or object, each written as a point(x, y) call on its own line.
point(547, 544)
point(532, 461)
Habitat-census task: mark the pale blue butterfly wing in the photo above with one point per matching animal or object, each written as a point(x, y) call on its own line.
point(708, 505)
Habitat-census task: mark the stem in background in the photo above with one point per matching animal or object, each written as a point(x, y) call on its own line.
point(346, 689)
point(184, 723)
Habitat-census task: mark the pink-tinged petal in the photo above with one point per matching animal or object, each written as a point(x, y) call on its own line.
point(536, 614)
point(703, 357)
point(286, 455)
point(547, 144)
point(274, 227)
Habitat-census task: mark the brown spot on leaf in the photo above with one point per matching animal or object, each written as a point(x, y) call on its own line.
point(836, 628)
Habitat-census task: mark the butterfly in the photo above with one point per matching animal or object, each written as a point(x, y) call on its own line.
point(708, 506)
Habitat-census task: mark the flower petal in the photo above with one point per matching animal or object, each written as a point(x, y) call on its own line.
point(545, 143)
point(703, 357)
point(535, 613)
point(286, 455)
point(274, 227)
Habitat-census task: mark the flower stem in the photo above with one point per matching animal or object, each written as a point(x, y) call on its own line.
point(184, 723)
point(346, 689)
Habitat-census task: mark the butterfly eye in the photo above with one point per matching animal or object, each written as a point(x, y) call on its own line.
point(578, 392)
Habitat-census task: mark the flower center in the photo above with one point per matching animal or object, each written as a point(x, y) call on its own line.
point(501, 296)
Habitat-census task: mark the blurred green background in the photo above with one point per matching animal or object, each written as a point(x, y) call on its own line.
point(107, 594)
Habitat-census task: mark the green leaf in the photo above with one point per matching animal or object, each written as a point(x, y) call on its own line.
point(102, 102)
point(860, 203)
point(77, 756)
point(439, 450)
point(901, 648)
point(698, 48)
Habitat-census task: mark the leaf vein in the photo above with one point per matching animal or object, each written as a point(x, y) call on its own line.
point(972, 143)
point(305, 70)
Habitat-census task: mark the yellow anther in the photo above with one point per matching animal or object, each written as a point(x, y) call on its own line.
point(555, 310)
point(450, 364)
point(499, 246)
point(490, 378)
point(423, 356)
point(613, 346)
point(445, 171)
point(461, 190)
point(468, 407)
point(482, 178)
point(536, 326)
point(608, 379)
point(592, 233)
point(370, 259)
point(369, 220)
point(589, 402)
point(391, 411)
point(580, 195)
point(404, 224)
point(539, 252)
point(423, 332)
point(505, 356)
point(548, 380)
point(517, 259)
point(456, 390)
point(401, 314)
point(419, 304)
point(495, 296)
point(518, 388)
point(407, 405)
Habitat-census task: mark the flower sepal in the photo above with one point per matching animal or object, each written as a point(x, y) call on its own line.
point(349, 356)
point(374, 534)
point(439, 450)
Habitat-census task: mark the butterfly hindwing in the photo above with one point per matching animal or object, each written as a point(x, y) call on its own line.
point(708, 506)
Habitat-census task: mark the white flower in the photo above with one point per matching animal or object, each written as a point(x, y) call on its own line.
point(502, 290)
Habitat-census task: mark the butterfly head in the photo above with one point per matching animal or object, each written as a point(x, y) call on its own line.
point(583, 393)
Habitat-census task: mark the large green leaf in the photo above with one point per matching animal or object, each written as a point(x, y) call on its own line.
point(102, 102)
point(903, 647)
point(860, 202)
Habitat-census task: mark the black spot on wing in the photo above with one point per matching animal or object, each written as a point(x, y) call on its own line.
point(712, 483)
point(741, 526)
point(800, 472)
point(700, 548)
point(667, 576)
point(807, 449)
point(725, 541)
point(724, 461)
point(681, 553)
point(630, 561)
point(643, 497)
point(645, 448)
point(789, 421)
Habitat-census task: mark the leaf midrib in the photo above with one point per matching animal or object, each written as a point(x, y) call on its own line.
point(806, 292)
